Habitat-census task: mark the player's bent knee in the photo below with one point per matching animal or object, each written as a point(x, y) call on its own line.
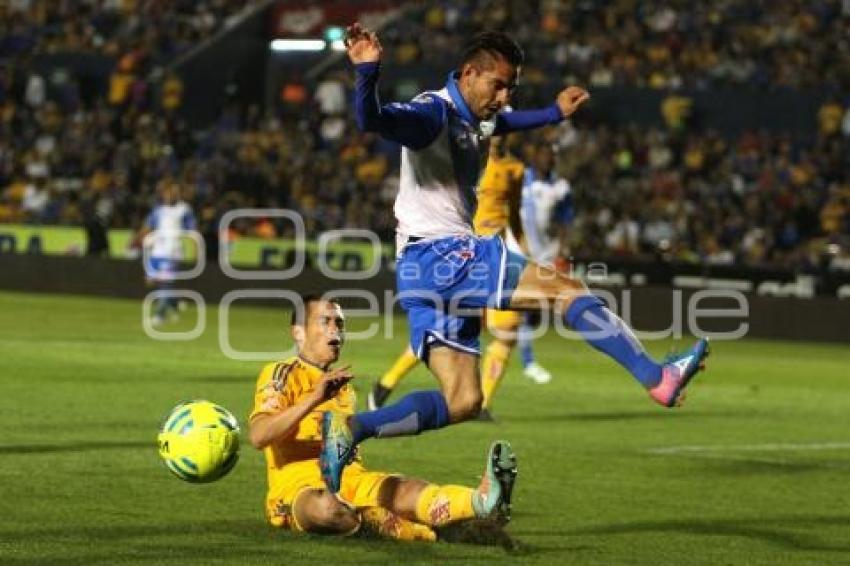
point(541, 288)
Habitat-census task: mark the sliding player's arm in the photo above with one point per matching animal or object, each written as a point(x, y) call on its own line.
point(276, 420)
point(414, 124)
point(566, 104)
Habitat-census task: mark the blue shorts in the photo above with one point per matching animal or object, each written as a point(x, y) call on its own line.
point(443, 285)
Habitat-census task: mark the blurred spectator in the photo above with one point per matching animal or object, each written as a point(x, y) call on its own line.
point(330, 95)
point(172, 93)
point(830, 116)
point(293, 96)
point(96, 210)
point(36, 91)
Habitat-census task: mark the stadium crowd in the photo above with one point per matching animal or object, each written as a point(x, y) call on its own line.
point(155, 31)
point(688, 194)
point(672, 44)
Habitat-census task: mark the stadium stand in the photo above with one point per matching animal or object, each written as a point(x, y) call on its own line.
point(677, 190)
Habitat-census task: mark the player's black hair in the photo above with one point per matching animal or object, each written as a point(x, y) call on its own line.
point(493, 43)
point(299, 312)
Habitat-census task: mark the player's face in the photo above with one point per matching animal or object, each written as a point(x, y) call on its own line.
point(544, 159)
point(488, 86)
point(168, 194)
point(324, 332)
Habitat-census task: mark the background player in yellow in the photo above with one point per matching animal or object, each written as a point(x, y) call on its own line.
point(499, 195)
point(286, 424)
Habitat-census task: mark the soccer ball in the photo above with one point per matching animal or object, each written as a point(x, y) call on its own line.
point(199, 441)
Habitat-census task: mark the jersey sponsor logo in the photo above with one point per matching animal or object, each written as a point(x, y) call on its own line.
point(440, 511)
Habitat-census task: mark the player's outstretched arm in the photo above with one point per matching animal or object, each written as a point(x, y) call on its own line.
point(568, 101)
point(415, 124)
point(265, 428)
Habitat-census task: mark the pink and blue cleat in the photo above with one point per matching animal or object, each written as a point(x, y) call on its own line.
point(676, 371)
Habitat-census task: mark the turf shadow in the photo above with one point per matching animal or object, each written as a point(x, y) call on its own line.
point(71, 447)
point(251, 536)
point(741, 464)
point(482, 533)
point(768, 530)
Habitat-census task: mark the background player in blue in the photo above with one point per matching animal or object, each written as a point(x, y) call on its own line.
point(163, 233)
point(547, 211)
point(444, 271)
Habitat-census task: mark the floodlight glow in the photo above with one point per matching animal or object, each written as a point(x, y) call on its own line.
point(297, 44)
point(333, 33)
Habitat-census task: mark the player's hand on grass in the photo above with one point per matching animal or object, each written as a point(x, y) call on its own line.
point(332, 382)
point(570, 99)
point(362, 44)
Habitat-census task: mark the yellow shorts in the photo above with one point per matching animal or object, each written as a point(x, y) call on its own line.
point(505, 321)
point(359, 487)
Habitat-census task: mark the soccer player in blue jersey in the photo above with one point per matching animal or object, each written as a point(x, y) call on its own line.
point(444, 272)
point(163, 232)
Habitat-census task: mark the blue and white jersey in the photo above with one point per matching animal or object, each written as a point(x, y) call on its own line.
point(167, 223)
point(546, 205)
point(444, 150)
point(437, 186)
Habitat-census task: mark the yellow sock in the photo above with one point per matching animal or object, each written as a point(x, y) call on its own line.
point(442, 504)
point(493, 368)
point(387, 524)
point(405, 362)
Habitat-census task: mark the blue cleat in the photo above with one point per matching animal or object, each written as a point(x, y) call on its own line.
point(338, 449)
point(677, 371)
point(492, 499)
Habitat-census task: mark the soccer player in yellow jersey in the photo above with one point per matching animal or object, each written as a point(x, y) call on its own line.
point(289, 400)
point(499, 193)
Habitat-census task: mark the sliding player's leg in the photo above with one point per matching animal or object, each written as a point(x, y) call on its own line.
point(605, 331)
point(438, 505)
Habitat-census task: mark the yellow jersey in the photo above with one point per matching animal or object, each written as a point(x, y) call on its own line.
point(282, 385)
point(494, 192)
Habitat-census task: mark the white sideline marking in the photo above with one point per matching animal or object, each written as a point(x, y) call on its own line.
point(774, 447)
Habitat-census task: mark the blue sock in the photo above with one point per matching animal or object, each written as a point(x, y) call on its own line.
point(524, 340)
point(607, 333)
point(418, 411)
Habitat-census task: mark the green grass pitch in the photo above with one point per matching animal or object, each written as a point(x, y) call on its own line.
point(754, 469)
